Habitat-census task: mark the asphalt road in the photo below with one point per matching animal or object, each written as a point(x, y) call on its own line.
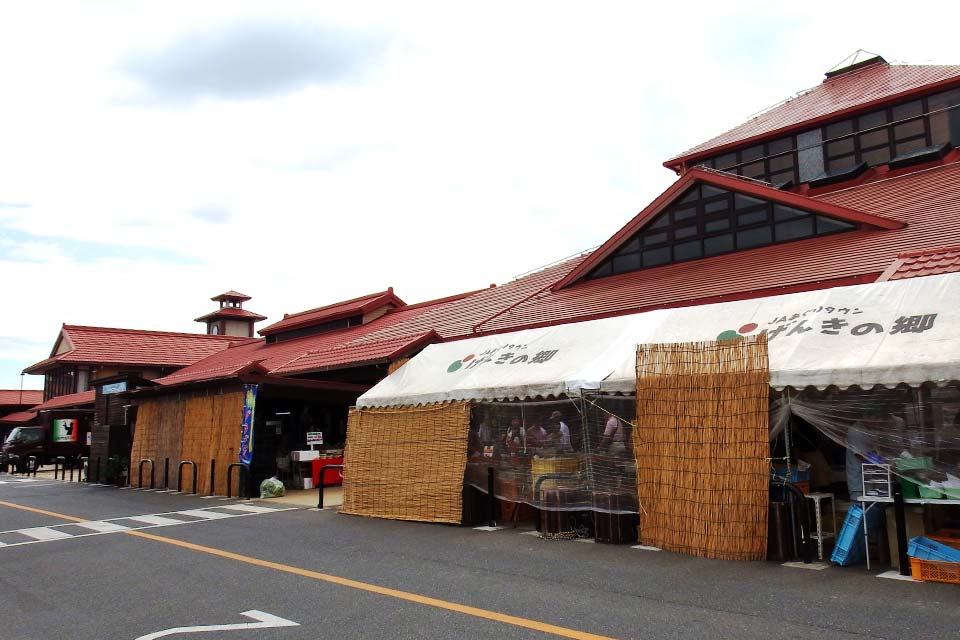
point(339, 576)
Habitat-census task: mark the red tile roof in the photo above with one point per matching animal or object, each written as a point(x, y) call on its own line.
point(232, 312)
point(355, 354)
point(387, 338)
point(854, 91)
point(16, 396)
point(923, 263)
point(68, 401)
point(232, 295)
point(19, 417)
point(336, 311)
point(928, 201)
point(103, 345)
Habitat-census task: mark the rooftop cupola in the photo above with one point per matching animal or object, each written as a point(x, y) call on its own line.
point(231, 319)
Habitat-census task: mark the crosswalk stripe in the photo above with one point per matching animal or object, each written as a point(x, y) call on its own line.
point(203, 513)
point(153, 519)
point(247, 508)
point(102, 527)
point(44, 533)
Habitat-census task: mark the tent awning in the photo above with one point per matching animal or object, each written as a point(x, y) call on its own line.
point(904, 331)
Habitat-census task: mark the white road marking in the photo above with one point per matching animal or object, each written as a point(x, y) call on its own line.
point(264, 621)
point(44, 533)
point(102, 526)
point(203, 513)
point(153, 520)
point(150, 521)
point(644, 547)
point(488, 528)
point(248, 508)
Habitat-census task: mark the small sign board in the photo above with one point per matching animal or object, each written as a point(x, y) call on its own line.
point(65, 430)
point(314, 437)
point(116, 387)
point(89, 438)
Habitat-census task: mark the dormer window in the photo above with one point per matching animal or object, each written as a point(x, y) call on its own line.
point(774, 162)
point(874, 138)
point(708, 221)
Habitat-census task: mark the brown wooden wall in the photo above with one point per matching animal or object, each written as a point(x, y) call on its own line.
point(198, 428)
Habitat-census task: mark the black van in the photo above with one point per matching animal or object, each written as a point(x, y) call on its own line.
point(61, 437)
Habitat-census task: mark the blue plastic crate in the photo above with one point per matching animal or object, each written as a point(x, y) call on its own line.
point(780, 473)
point(849, 549)
point(927, 549)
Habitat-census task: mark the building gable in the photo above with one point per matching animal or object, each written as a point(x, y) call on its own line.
point(707, 213)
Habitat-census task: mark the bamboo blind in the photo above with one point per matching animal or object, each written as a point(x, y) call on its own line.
point(211, 430)
point(197, 429)
point(701, 444)
point(157, 435)
point(406, 464)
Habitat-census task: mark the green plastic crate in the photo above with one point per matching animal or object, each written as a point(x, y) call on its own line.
point(930, 492)
point(910, 488)
point(910, 464)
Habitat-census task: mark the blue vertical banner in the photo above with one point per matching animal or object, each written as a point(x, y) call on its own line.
point(246, 426)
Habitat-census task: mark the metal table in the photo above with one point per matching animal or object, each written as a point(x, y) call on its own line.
point(874, 500)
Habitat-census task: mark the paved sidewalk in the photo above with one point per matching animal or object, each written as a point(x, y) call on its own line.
point(332, 497)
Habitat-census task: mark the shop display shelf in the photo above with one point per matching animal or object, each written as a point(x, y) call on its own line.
point(935, 571)
point(927, 549)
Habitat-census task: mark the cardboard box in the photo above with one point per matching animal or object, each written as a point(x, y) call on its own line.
point(304, 456)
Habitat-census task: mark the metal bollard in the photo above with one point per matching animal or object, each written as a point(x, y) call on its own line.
point(84, 467)
point(240, 475)
point(60, 462)
point(491, 499)
point(97, 476)
point(33, 466)
point(71, 471)
point(323, 470)
point(193, 465)
point(213, 475)
point(140, 472)
point(166, 473)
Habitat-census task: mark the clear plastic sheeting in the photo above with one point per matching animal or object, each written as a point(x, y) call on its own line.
point(564, 455)
point(916, 431)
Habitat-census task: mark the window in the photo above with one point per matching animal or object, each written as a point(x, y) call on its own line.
point(707, 221)
point(875, 138)
point(774, 162)
point(879, 136)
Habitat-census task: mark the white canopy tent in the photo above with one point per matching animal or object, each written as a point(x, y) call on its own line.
point(888, 333)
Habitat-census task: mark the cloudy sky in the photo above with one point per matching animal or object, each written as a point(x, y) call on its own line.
point(155, 154)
